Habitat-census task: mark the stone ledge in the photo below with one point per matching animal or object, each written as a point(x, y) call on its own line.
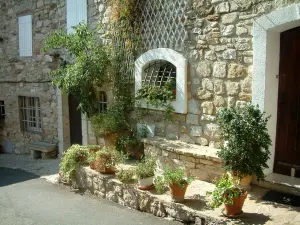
point(179, 147)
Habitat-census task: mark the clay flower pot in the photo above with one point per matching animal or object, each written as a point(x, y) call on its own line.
point(111, 139)
point(93, 165)
point(236, 208)
point(177, 193)
point(244, 182)
point(146, 183)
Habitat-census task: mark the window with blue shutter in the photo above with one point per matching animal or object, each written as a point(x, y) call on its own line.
point(76, 13)
point(25, 35)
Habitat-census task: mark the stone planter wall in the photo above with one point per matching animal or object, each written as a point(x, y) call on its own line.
point(199, 161)
point(106, 186)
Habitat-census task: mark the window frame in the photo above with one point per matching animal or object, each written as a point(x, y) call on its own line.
point(181, 64)
point(2, 110)
point(30, 104)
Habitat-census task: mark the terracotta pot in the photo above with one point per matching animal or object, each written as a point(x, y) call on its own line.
point(177, 193)
point(244, 182)
point(93, 165)
point(236, 207)
point(146, 183)
point(101, 168)
point(111, 139)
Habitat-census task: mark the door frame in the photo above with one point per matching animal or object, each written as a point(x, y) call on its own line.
point(266, 55)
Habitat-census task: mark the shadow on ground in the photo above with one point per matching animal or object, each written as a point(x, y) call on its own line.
point(11, 176)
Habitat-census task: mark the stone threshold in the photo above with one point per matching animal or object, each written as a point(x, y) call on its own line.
point(182, 148)
point(193, 210)
point(281, 183)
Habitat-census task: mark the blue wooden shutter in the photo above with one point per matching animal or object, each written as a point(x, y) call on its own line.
point(76, 13)
point(25, 35)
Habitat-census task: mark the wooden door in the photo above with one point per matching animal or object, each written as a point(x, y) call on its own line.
point(287, 155)
point(75, 121)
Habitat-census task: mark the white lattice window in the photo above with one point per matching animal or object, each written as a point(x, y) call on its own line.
point(158, 66)
point(30, 114)
point(102, 102)
point(2, 110)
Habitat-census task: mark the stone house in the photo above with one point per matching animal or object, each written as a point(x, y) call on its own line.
point(223, 52)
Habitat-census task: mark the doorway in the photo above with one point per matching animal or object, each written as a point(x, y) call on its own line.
point(75, 121)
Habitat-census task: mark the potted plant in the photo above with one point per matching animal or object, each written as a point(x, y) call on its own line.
point(130, 145)
point(74, 157)
point(144, 172)
point(227, 193)
point(126, 176)
point(92, 160)
point(177, 182)
point(246, 141)
point(106, 160)
point(109, 124)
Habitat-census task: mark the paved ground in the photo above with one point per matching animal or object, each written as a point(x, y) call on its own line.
point(25, 199)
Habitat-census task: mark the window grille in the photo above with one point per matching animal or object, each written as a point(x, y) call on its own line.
point(102, 102)
point(30, 114)
point(158, 73)
point(2, 110)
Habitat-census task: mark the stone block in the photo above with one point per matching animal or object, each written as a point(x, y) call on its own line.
point(229, 54)
point(187, 139)
point(223, 7)
point(193, 106)
point(229, 18)
point(36, 154)
point(202, 141)
point(219, 101)
point(206, 117)
point(207, 84)
point(228, 30)
point(232, 88)
point(196, 131)
point(210, 55)
point(203, 94)
point(207, 108)
point(219, 87)
point(236, 70)
point(220, 69)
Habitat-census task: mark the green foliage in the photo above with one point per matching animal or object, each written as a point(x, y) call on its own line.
point(244, 130)
point(87, 69)
point(110, 121)
point(125, 142)
point(224, 192)
point(146, 168)
point(160, 184)
point(159, 97)
point(74, 157)
point(125, 176)
point(176, 177)
point(109, 157)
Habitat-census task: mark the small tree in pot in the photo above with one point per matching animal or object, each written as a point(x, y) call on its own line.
point(178, 183)
point(246, 138)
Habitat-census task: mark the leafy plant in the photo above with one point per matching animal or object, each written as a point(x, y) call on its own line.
point(109, 158)
point(88, 66)
point(74, 157)
point(110, 121)
point(159, 96)
point(244, 130)
point(176, 177)
point(125, 175)
point(146, 168)
point(160, 184)
point(224, 192)
point(130, 145)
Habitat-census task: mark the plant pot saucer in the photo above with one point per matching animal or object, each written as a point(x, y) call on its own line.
point(146, 188)
point(232, 216)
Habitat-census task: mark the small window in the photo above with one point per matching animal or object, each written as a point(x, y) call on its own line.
point(30, 114)
point(102, 102)
point(159, 73)
point(25, 35)
point(2, 110)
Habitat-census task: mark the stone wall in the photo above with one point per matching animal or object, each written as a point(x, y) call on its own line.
point(220, 54)
point(28, 76)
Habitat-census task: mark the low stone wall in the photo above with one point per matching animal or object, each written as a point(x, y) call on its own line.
point(201, 162)
point(106, 186)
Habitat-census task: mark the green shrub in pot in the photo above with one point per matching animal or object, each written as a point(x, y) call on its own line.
point(244, 132)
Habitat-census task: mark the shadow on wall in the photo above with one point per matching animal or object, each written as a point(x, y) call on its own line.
point(12, 176)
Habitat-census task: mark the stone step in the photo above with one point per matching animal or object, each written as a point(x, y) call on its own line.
point(281, 183)
point(201, 162)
